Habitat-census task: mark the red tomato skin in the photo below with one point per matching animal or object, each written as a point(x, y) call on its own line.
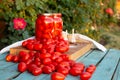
point(24, 57)
point(30, 46)
point(75, 71)
point(57, 76)
point(85, 76)
point(22, 67)
point(15, 58)
point(37, 47)
point(9, 58)
point(24, 44)
point(59, 59)
point(31, 67)
point(36, 71)
point(64, 71)
point(47, 69)
point(47, 61)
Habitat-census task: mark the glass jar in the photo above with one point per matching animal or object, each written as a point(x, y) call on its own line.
point(48, 26)
point(44, 26)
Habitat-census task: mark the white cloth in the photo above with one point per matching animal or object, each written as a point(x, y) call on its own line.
point(19, 43)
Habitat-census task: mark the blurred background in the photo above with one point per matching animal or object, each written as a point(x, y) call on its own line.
point(98, 19)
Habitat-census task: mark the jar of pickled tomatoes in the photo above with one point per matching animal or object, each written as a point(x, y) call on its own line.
point(48, 26)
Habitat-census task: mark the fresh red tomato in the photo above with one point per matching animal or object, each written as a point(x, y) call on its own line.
point(64, 64)
point(24, 57)
point(45, 55)
point(65, 56)
point(15, 58)
point(52, 67)
point(75, 71)
point(59, 59)
point(57, 76)
point(62, 49)
point(91, 69)
point(30, 46)
point(22, 67)
point(37, 47)
point(36, 71)
point(31, 67)
point(9, 57)
point(71, 62)
point(47, 61)
point(28, 61)
point(43, 50)
point(53, 57)
point(80, 65)
point(37, 62)
point(47, 69)
point(64, 71)
point(93, 66)
point(85, 76)
point(32, 53)
point(24, 43)
point(22, 53)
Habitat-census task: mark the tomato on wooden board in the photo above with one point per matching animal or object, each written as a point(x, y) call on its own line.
point(57, 76)
point(22, 67)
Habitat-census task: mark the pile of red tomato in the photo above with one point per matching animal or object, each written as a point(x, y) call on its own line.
point(46, 52)
point(56, 63)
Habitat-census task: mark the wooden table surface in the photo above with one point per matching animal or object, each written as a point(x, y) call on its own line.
point(108, 67)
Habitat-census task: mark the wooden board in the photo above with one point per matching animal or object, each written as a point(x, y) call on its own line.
point(75, 51)
point(79, 49)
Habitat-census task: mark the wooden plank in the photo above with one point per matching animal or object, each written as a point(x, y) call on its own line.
point(9, 73)
point(4, 64)
point(106, 67)
point(117, 72)
point(2, 56)
point(31, 77)
point(92, 58)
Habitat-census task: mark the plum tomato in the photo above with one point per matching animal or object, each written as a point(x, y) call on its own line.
point(37, 47)
point(36, 71)
point(57, 76)
point(24, 43)
point(62, 49)
point(30, 46)
point(63, 64)
point(47, 61)
point(75, 71)
point(59, 59)
point(22, 67)
point(91, 69)
point(45, 55)
point(64, 71)
point(15, 58)
point(85, 76)
point(31, 67)
point(47, 69)
point(24, 57)
point(9, 57)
